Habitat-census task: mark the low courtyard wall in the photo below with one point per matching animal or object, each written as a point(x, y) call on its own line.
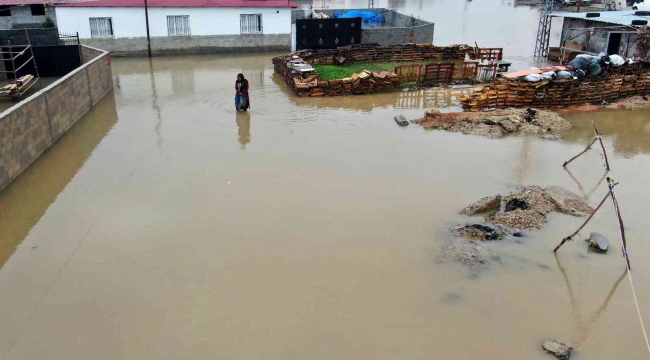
point(367, 81)
point(33, 125)
point(623, 81)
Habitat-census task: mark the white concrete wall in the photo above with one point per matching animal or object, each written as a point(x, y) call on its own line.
point(129, 22)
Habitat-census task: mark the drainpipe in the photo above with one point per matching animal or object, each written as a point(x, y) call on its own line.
point(146, 18)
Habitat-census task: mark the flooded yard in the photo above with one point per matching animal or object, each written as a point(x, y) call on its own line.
point(166, 225)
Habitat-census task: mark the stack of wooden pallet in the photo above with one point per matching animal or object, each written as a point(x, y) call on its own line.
point(626, 80)
point(390, 53)
point(16, 85)
point(362, 83)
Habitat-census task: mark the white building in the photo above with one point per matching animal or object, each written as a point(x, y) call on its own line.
point(179, 26)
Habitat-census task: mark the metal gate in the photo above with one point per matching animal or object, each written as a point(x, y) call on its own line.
point(327, 33)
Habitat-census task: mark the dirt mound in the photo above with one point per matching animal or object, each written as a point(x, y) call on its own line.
point(494, 124)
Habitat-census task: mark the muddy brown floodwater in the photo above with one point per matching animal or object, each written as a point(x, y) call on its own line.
point(166, 225)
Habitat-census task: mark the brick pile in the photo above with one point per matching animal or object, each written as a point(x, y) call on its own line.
point(625, 80)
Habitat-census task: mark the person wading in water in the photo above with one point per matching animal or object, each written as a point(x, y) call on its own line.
point(242, 101)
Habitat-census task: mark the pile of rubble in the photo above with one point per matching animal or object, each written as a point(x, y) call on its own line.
point(495, 124)
point(622, 81)
point(525, 209)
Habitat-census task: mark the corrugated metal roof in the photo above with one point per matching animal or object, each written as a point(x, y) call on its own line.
point(624, 17)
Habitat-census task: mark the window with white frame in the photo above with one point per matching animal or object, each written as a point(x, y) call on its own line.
point(178, 25)
point(101, 27)
point(251, 23)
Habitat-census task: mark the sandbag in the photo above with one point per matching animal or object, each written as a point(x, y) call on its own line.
point(594, 68)
point(563, 75)
point(549, 75)
point(616, 60)
point(579, 63)
point(533, 77)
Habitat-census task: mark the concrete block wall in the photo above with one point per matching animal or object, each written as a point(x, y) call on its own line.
point(178, 45)
point(399, 35)
point(33, 125)
point(23, 15)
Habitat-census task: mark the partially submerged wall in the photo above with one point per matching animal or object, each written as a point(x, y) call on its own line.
point(33, 125)
point(183, 45)
point(623, 81)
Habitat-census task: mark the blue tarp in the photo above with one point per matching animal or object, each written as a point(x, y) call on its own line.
point(367, 17)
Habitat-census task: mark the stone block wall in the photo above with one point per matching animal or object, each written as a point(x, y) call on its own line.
point(23, 15)
point(33, 125)
point(183, 45)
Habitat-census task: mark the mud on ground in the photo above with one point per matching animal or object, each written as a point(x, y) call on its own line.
point(629, 103)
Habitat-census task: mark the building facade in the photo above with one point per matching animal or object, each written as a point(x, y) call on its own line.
point(24, 14)
point(611, 32)
point(179, 26)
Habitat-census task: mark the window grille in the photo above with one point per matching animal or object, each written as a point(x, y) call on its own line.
point(251, 24)
point(178, 25)
point(101, 27)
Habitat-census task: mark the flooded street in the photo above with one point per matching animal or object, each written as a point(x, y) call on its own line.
point(166, 225)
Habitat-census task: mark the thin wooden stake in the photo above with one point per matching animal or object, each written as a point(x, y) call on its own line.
point(584, 224)
point(583, 151)
point(601, 145)
point(611, 184)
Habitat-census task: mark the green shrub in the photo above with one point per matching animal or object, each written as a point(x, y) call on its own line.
point(48, 23)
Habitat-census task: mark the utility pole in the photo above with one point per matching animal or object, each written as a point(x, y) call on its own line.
point(146, 18)
point(544, 29)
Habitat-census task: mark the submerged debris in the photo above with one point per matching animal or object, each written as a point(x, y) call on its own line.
point(483, 205)
point(494, 124)
point(466, 253)
point(560, 350)
point(568, 202)
point(401, 120)
point(479, 232)
point(550, 135)
point(598, 242)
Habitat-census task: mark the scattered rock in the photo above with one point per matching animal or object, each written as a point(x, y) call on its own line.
point(568, 202)
point(401, 120)
point(508, 125)
point(483, 205)
point(560, 350)
point(516, 204)
point(432, 113)
point(479, 232)
point(518, 219)
point(598, 242)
